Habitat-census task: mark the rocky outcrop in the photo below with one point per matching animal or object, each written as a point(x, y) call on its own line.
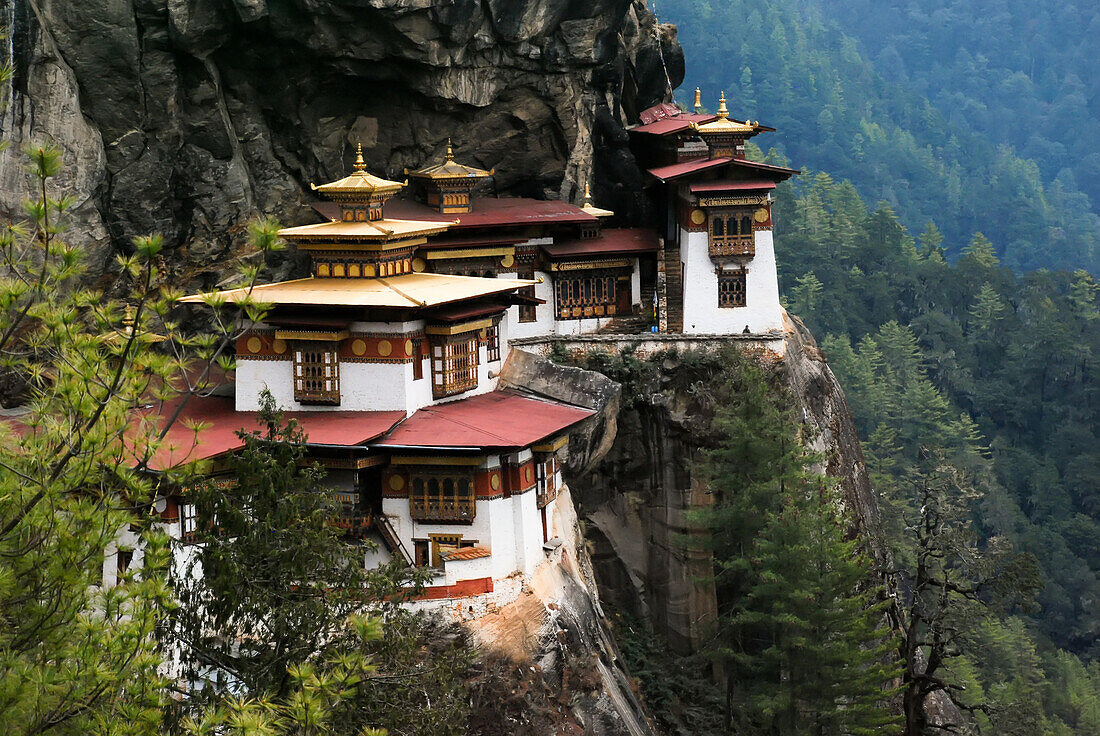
point(635, 502)
point(189, 117)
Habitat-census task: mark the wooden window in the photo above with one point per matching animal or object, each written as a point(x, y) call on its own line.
point(418, 359)
point(492, 343)
point(189, 520)
point(316, 373)
point(421, 550)
point(527, 312)
point(731, 233)
point(445, 497)
point(124, 558)
point(442, 545)
point(585, 294)
point(731, 289)
point(454, 365)
point(546, 484)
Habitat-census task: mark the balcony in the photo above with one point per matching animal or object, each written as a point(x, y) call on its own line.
point(353, 522)
point(732, 245)
point(462, 510)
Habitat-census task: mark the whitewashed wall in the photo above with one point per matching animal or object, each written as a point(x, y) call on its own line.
point(702, 314)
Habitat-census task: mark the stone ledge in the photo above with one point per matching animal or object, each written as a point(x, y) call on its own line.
point(647, 337)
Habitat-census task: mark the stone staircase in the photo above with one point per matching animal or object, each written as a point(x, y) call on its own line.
point(674, 288)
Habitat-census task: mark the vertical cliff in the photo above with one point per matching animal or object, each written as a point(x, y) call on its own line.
point(634, 496)
point(189, 117)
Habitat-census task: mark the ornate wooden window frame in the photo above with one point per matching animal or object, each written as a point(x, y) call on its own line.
point(732, 288)
point(316, 375)
point(731, 232)
point(455, 363)
point(492, 344)
point(546, 485)
point(528, 312)
point(585, 293)
point(442, 495)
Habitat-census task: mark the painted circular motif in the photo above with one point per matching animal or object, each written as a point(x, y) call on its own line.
point(358, 347)
point(761, 215)
point(384, 348)
point(527, 474)
point(494, 481)
point(419, 265)
point(254, 344)
point(698, 217)
point(409, 347)
point(279, 346)
point(397, 482)
point(507, 261)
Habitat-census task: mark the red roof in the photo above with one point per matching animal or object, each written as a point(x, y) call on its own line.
point(660, 111)
point(675, 171)
point(493, 211)
point(612, 241)
point(467, 553)
point(465, 311)
point(182, 445)
point(729, 186)
point(670, 125)
point(473, 241)
point(496, 420)
point(766, 168)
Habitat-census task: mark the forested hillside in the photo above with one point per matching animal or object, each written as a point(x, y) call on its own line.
point(857, 111)
point(1017, 72)
point(994, 371)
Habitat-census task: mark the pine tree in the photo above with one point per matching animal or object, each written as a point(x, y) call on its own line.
point(270, 580)
point(800, 633)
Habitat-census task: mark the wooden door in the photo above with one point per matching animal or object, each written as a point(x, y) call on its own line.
point(622, 296)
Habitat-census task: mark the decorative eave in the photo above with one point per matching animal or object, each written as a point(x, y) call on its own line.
point(724, 125)
point(338, 232)
point(450, 171)
point(359, 185)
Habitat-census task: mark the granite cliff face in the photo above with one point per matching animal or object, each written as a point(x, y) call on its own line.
point(189, 117)
point(633, 494)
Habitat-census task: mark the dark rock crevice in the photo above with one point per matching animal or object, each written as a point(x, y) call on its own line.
point(209, 112)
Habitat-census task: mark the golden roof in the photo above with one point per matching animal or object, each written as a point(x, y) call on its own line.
point(449, 169)
point(376, 230)
point(591, 208)
point(407, 290)
point(359, 183)
point(723, 123)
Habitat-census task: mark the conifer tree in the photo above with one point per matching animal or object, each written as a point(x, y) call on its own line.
point(800, 631)
point(271, 580)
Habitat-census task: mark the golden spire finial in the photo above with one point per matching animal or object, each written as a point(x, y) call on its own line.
point(698, 100)
point(587, 196)
point(723, 112)
point(450, 151)
point(360, 165)
point(128, 321)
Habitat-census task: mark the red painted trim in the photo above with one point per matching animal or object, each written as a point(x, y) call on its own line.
point(461, 589)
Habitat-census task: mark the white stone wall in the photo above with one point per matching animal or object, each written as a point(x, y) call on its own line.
point(544, 313)
point(702, 314)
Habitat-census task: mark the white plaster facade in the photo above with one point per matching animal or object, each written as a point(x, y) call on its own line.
point(762, 312)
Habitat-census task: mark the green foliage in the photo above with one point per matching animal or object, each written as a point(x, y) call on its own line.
point(801, 631)
point(272, 580)
point(75, 656)
point(867, 91)
point(993, 373)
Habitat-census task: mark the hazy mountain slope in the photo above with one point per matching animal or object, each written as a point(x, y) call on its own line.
point(795, 67)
